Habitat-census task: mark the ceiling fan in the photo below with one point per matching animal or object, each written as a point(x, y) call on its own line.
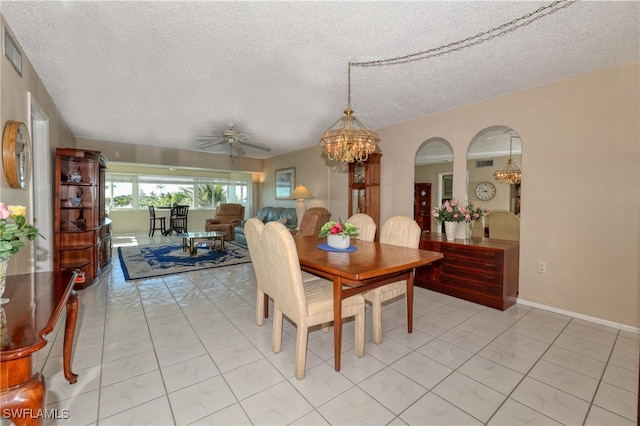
point(235, 139)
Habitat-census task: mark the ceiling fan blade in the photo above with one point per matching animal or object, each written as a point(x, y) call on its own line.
point(210, 143)
point(237, 147)
point(256, 145)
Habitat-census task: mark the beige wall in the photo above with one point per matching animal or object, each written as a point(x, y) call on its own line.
point(14, 106)
point(581, 168)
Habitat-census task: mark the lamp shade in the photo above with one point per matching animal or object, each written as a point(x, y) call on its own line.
point(301, 193)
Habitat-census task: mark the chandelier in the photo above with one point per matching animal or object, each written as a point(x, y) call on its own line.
point(510, 173)
point(348, 140)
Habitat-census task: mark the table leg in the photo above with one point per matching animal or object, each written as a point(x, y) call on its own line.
point(193, 250)
point(21, 404)
point(337, 320)
point(69, 333)
point(410, 279)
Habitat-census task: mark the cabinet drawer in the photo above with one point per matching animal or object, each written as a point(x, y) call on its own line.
point(475, 253)
point(488, 277)
point(460, 282)
point(486, 264)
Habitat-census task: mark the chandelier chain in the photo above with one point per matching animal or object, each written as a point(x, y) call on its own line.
point(459, 45)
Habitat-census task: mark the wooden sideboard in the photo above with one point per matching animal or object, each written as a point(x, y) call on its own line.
point(35, 303)
point(480, 270)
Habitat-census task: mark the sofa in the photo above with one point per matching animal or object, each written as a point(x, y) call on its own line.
point(228, 217)
point(268, 214)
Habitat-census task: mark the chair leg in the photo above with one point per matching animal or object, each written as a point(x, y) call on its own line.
point(276, 339)
point(359, 329)
point(376, 305)
point(301, 350)
point(259, 307)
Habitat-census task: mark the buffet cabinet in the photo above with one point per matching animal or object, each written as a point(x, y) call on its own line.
point(479, 270)
point(82, 232)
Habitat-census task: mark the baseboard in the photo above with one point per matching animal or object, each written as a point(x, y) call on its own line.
point(624, 327)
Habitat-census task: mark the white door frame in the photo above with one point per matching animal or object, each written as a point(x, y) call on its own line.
point(41, 184)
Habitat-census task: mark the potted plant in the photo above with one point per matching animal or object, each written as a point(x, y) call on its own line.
point(471, 214)
point(338, 233)
point(450, 214)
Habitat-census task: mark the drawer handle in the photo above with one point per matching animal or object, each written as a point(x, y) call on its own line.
point(489, 277)
point(490, 265)
point(489, 254)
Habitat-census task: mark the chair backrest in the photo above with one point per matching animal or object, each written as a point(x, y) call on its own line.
point(283, 276)
point(312, 221)
point(152, 212)
point(180, 210)
point(253, 229)
point(401, 231)
point(366, 226)
point(228, 212)
point(503, 225)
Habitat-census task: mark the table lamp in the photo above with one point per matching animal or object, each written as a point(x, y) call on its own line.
point(300, 194)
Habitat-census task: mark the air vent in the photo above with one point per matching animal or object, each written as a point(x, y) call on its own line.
point(484, 163)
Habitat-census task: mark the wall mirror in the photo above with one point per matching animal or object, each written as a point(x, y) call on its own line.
point(489, 151)
point(433, 178)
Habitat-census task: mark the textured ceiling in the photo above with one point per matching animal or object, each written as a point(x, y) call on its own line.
point(161, 73)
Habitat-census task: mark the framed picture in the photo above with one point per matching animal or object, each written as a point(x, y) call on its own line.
point(285, 182)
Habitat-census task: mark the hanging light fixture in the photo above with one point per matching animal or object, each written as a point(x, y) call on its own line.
point(510, 173)
point(348, 140)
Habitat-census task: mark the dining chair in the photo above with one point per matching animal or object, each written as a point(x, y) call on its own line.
point(178, 220)
point(503, 225)
point(400, 231)
point(307, 304)
point(154, 221)
point(366, 226)
point(253, 232)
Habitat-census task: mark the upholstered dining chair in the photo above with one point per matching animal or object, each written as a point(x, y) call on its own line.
point(253, 232)
point(305, 305)
point(399, 231)
point(503, 225)
point(154, 221)
point(366, 226)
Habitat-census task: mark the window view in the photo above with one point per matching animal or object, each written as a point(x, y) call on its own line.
point(126, 191)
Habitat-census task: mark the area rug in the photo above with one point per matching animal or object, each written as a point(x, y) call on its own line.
point(168, 259)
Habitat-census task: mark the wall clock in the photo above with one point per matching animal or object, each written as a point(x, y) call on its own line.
point(485, 191)
point(16, 154)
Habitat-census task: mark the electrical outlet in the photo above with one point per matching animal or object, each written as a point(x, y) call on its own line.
point(542, 266)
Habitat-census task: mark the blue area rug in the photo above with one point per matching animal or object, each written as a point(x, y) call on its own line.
point(168, 259)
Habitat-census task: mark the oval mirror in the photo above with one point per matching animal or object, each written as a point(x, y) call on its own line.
point(433, 179)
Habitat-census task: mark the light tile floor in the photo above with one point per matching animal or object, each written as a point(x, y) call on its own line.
point(185, 350)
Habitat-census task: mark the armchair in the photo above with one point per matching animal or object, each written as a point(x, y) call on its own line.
point(312, 221)
point(228, 216)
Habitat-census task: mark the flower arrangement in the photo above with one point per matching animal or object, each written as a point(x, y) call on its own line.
point(448, 212)
point(12, 233)
point(338, 228)
point(472, 213)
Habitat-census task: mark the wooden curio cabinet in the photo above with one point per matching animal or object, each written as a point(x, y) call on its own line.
point(422, 206)
point(82, 233)
point(364, 188)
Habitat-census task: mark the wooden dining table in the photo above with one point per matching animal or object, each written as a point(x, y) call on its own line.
point(371, 265)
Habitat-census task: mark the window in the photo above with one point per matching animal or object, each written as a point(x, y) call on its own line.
point(128, 191)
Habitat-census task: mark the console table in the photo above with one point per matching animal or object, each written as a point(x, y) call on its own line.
point(36, 301)
point(481, 270)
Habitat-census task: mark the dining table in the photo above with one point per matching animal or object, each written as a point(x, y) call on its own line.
point(369, 265)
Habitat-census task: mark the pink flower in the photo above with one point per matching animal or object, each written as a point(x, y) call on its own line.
point(5, 213)
point(336, 229)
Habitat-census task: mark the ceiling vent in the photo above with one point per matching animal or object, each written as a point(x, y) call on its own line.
point(484, 163)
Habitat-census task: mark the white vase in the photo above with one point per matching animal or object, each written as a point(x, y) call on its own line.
point(450, 230)
point(468, 229)
point(4, 261)
point(338, 241)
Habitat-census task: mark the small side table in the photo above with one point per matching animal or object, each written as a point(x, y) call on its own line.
point(35, 303)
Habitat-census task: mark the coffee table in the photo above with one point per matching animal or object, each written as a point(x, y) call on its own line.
point(189, 238)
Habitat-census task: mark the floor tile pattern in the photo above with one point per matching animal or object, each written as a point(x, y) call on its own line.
point(185, 350)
